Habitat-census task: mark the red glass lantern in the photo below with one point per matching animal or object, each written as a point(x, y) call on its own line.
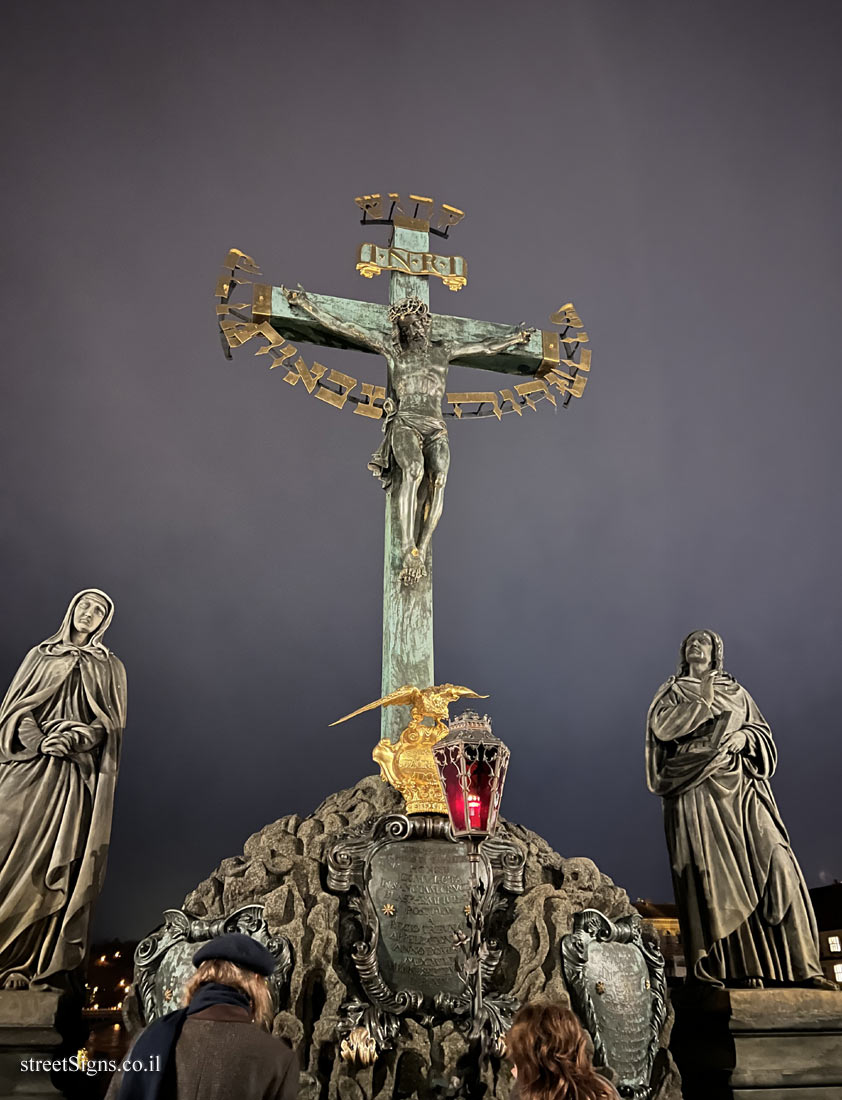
point(472, 765)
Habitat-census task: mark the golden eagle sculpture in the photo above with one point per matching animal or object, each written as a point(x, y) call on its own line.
point(407, 764)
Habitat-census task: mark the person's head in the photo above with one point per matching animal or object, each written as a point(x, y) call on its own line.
point(701, 648)
point(240, 962)
point(410, 319)
point(89, 612)
point(548, 1048)
point(86, 619)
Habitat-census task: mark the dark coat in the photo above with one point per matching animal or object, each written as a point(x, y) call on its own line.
point(221, 1054)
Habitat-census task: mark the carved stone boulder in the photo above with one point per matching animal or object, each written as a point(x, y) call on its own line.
point(285, 867)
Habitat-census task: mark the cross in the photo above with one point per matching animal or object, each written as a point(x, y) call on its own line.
point(413, 459)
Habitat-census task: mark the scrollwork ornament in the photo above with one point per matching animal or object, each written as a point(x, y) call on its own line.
point(181, 928)
point(501, 868)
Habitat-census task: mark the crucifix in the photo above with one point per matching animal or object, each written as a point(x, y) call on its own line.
point(414, 456)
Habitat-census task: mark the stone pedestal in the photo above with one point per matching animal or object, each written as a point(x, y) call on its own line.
point(29, 1033)
point(758, 1044)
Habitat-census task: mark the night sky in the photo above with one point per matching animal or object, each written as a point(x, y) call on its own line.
point(671, 167)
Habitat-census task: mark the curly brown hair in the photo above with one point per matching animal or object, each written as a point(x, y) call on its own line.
point(246, 981)
point(549, 1049)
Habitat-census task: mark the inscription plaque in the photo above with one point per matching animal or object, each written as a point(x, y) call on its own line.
point(620, 988)
point(420, 889)
point(406, 883)
point(618, 991)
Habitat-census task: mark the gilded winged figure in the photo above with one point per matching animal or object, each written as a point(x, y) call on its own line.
point(431, 702)
point(407, 764)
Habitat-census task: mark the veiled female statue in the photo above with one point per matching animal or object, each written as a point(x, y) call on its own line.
point(61, 725)
point(746, 917)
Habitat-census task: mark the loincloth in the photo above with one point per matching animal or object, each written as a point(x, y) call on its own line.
point(427, 429)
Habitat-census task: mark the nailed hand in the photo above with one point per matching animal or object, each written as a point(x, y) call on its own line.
point(297, 297)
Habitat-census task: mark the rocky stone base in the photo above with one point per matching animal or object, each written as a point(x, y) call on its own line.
point(282, 867)
point(758, 1044)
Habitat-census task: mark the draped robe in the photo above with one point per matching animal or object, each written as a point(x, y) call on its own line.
point(743, 904)
point(55, 811)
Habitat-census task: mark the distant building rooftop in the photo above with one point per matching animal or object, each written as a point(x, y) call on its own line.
point(656, 910)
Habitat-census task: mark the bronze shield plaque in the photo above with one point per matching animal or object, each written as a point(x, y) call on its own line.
point(420, 889)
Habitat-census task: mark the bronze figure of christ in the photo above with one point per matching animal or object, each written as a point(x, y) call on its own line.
point(414, 456)
point(418, 346)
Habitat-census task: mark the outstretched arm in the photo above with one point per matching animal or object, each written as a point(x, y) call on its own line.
point(518, 336)
point(299, 300)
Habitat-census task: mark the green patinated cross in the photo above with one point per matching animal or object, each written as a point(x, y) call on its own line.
point(415, 448)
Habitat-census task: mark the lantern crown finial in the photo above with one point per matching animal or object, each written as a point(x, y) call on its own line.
point(469, 724)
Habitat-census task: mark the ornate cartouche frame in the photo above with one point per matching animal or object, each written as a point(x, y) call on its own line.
point(501, 868)
point(182, 927)
point(591, 926)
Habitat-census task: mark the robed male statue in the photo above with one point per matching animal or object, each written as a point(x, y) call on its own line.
point(746, 917)
point(61, 725)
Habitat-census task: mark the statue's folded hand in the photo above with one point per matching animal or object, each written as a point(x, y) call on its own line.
point(82, 729)
point(56, 744)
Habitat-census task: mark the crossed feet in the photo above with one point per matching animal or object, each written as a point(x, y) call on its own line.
point(413, 566)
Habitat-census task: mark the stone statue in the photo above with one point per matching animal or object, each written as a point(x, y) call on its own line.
point(61, 725)
point(415, 439)
point(746, 917)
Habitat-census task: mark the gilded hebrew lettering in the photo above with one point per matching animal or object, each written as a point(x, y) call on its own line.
point(335, 388)
point(305, 375)
point(345, 381)
point(584, 360)
point(567, 383)
point(567, 315)
point(508, 396)
point(488, 397)
point(372, 394)
point(532, 392)
point(238, 333)
point(280, 355)
point(378, 207)
point(371, 206)
point(422, 208)
point(239, 261)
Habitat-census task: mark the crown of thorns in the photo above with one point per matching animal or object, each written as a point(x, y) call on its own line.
point(406, 307)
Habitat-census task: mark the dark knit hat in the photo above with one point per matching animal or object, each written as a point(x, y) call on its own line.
point(238, 949)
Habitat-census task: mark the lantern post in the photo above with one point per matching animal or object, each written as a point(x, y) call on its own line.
point(472, 765)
